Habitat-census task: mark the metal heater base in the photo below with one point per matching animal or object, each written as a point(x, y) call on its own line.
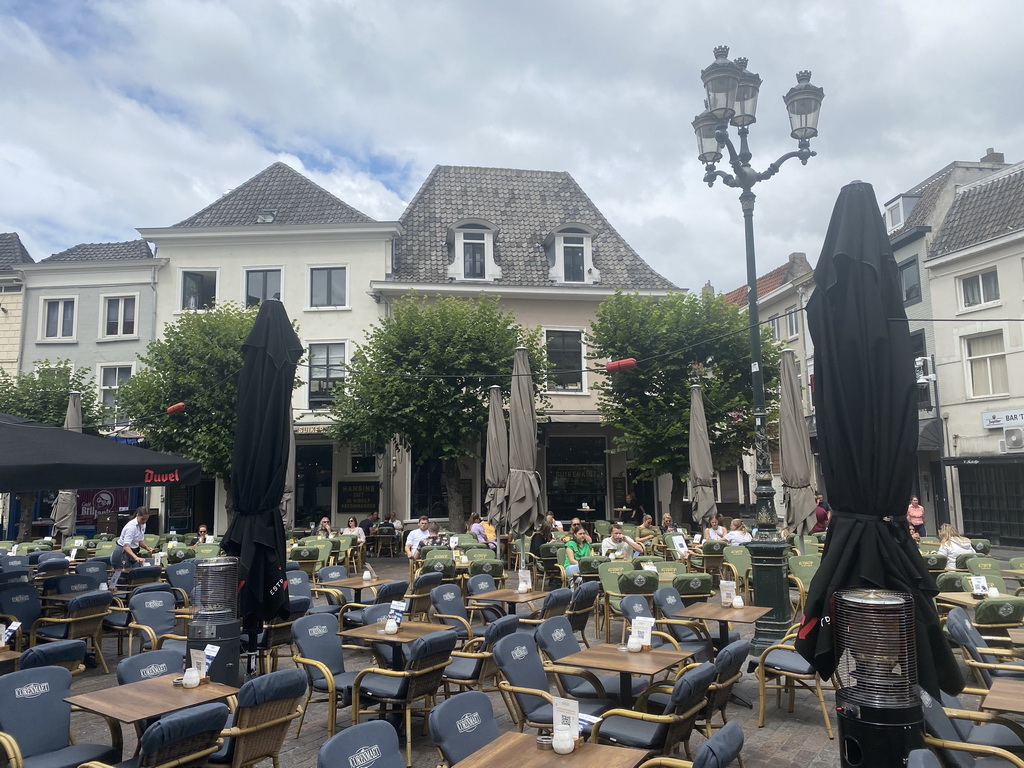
point(227, 637)
point(871, 737)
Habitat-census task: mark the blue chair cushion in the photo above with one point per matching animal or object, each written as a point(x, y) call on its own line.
point(383, 686)
point(461, 668)
point(594, 707)
point(73, 756)
point(788, 661)
point(342, 682)
point(633, 733)
point(60, 652)
point(178, 726)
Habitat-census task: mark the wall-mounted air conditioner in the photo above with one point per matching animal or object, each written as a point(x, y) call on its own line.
point(1013, 437)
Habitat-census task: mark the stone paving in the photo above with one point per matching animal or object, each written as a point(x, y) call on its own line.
point(796, 739)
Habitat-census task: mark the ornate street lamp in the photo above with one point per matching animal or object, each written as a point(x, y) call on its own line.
point(732, 93)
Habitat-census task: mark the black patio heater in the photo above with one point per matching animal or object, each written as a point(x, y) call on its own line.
point(215, 622)
point(879, 712)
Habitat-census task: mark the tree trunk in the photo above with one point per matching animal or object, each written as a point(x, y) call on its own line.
point(28, 503)
point(677, 505)
point(452, 478)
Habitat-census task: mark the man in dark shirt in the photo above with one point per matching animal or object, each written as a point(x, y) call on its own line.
point(369, 523)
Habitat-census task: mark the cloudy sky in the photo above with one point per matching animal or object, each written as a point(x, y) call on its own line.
point(117, 114)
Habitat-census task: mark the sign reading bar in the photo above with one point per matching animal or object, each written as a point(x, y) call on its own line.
point(1000, 419)
point(359, 498)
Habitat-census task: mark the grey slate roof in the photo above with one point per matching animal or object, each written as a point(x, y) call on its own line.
point(292, 197)
point(133, 249)
point(982, 211)
point(933, 190)
point(12, 252)
point(525, 207)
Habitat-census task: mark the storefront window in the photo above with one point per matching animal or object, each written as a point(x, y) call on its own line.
point(577, 473)
point(313, 483)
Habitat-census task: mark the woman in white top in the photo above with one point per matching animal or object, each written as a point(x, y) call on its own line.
point(952, 544)
point(714, 532)
point(354, 530)
point(738, 533)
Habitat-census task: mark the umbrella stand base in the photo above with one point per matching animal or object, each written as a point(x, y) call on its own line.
point(771, 590)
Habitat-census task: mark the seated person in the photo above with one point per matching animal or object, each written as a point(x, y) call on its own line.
point(618, 546)
point(434, 539)
point(324, 529)
point(202, 538)
point(476, 527)
point(577, 547)
point(647, 532)
point(352, 529)
point(416, 538)
point(369, 524)
point(556, 525)
point(667, 526)
point(577, 525)
point(539, 539)
point(714, 531)
point(738, 533)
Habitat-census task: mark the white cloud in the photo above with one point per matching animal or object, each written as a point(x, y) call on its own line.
point(137, 113)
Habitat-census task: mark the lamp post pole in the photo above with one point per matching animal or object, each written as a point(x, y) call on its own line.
point(732, 100)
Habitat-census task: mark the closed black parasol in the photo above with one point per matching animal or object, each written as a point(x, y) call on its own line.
point(259, 464)
point(865, 402)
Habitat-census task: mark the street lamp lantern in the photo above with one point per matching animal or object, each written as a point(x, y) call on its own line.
point(721, 79)
point(706, 127)
point(732, 92)
point(745, 104)
point(803, 102)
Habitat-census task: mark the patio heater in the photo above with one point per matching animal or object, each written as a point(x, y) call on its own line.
point(879, 710)
point(215, 622)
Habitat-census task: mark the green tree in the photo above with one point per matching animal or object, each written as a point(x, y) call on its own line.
point(679, 340)
point(197, 362)
point(423, 375)
point(42, 395)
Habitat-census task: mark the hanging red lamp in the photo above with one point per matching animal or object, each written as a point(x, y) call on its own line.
point(617, 366)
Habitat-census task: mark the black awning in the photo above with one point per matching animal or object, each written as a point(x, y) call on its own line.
point(929, 435)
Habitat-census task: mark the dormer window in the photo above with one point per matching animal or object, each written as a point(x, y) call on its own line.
point(897, 211)
point(570, 255)
point(471, 251)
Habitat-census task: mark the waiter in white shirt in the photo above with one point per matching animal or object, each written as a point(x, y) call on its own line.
point(132, 538)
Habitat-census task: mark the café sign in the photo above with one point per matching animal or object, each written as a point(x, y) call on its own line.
point(1000, 419)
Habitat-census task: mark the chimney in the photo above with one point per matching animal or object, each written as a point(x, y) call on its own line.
point(991, 156)
point(708, 288)
point(797, 265)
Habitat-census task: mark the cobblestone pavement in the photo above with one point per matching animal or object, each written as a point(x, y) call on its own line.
point(796, 739)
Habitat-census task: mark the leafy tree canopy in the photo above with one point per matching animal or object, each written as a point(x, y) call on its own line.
point(197, 362)
point(42, 394)
point(423, 377)
point(678, 340)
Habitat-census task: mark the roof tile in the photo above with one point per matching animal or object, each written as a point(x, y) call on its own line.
point(12, 252)
point(283, 192)
point(525, 207)
point(982, 211)
point(133, 249)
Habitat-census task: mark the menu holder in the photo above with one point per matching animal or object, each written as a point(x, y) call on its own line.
point(565, 714)
point(642, 627)
point(525, 578)
point(396, 612)
point(727, 592)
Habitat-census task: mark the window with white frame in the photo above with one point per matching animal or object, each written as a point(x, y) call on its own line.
point(111, 379)
point(570, 255)
point(119, 316)
point(565, 360)
point(471, 251)
point(58, 319)
point(326, 370)
point(982, 288)
point(261, 284)
point(793, 322)
point(910, 281)
point(894, 216)
point(775, 323)
point(328, 287)
point(198, 288)
point(986, 365)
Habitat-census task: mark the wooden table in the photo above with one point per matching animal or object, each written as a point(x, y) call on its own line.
point(356, 583)
point(9, 661)
point(408, 631)
point(963, 599)
point(607, 657)
point(520, 749)
point(511, 597)
point(134, 702)
point(748, 614)
point(1005, 695)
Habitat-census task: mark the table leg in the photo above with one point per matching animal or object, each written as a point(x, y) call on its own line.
point(723, 640)
point(396, 657)
point(626, 690)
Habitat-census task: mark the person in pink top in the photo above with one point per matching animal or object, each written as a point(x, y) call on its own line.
point(915, 515)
